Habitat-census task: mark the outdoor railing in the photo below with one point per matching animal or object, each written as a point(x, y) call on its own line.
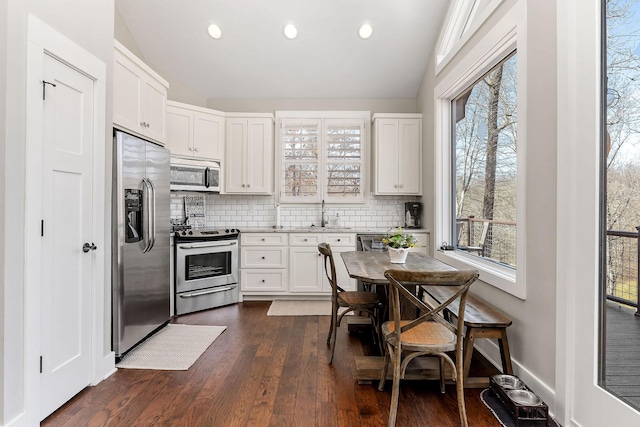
point(498, 243)
point(623, 269)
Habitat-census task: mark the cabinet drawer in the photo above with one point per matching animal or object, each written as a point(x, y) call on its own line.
point(305, 239)
point(263, 280)
point(258, 257)
point(335, 239)
point(263, 239)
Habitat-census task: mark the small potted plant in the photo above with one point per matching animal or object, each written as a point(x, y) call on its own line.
point(399, 243)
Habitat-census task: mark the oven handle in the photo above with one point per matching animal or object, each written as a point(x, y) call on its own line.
point(207, 292)
point(207, 245)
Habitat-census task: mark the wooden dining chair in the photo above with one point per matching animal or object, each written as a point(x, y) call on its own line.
point(427, 335)
point(350, 300)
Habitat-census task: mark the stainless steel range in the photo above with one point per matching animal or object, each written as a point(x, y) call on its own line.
point(206, 269)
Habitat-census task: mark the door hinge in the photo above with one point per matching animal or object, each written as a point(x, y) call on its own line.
point(40, 364)
point(44, 85)
point(42, 228)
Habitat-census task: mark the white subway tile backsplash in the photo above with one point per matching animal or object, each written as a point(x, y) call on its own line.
point(260, 211)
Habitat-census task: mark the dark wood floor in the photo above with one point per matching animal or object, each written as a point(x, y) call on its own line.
point(266, 371)
point(623, 353)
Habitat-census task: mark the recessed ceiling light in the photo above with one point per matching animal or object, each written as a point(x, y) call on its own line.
point(365, 31)
point(290, 31)
point(214, 31)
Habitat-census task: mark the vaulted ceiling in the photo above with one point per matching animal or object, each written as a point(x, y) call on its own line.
point(253, 58)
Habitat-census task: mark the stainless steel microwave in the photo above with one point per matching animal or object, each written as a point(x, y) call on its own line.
point(195, 175)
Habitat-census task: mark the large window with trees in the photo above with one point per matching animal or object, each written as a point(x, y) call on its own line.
point(484, 169)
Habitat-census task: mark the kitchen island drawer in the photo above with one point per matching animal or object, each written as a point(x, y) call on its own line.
point(258, 257)
point(257, 281)
point(263, 239)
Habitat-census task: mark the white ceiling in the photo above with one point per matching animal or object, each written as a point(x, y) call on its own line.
point(253, 59)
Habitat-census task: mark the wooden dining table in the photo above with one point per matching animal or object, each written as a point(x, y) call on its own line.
point(369, 267)
point(481, 320)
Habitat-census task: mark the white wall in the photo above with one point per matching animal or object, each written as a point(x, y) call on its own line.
point(178, 91)
point(3, 183)
point(532, 335)
point(90, 24)
point(284, 104)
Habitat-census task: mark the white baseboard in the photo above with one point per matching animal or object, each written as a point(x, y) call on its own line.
point(108, 366)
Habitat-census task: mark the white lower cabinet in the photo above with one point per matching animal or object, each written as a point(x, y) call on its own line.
point(290, 264)
point(306, 266)
point(263, 263)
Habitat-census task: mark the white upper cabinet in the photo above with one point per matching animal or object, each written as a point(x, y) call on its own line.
point(397, 151)
point(139, 96)
point(249, 154)
point(195, 132)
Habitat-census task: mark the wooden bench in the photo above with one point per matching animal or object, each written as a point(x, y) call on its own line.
point(481, 321)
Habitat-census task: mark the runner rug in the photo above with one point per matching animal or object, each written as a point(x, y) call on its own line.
point(173, 348)
point(300, 308)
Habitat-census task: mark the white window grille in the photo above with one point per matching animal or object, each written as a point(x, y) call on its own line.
point(322, 159)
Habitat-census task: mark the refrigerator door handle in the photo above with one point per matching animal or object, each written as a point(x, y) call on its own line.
point(152, 215)
point(146, 207)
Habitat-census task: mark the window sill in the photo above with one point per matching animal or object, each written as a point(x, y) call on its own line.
point(498, 276)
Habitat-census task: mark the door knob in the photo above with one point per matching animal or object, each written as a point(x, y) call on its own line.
point(89, 247)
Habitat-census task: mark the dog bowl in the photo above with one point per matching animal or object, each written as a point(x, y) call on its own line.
point(508, 382)
point(524, 397)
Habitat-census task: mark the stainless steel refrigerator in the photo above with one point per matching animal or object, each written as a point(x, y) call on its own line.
point(141, 250)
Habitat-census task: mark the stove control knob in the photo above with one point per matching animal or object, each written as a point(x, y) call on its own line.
point(184, 233)
point(226, 230)
point(190, 233)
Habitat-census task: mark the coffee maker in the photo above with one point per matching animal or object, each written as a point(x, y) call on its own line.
point(412, 211)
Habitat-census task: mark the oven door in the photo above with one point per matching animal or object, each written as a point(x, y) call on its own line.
point(201, 265)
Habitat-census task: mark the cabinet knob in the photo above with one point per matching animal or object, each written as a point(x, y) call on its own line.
point(248, 185)
point(197, 149)
point(262, 257)
point(190, 148)
point(306, 240)
point(401, 186)
point(338, 240)
point(243, 185)
point(263, 280)
point(263, 239)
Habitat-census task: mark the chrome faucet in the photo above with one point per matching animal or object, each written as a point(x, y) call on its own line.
point(322, 221)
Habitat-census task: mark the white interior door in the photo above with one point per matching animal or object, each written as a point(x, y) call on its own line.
point(67, 214)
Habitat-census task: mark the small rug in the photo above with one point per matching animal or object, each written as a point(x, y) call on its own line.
point(173, 348)
point(504, 415)
point(300, 308)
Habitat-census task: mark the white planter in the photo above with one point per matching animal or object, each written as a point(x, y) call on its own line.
point(398, 256)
